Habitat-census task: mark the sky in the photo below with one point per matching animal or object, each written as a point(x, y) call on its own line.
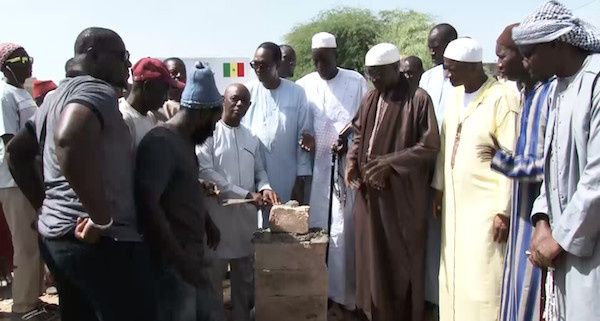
point(230, 28)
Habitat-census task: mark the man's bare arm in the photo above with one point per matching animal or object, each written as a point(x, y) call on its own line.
point(24, 162)
point(77, 140)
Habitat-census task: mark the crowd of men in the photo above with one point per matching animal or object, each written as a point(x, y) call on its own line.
point(455, 193)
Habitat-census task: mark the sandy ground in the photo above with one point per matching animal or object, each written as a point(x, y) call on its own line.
point(6, 303)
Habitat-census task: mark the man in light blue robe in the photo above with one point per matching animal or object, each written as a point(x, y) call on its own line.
point(278, 116)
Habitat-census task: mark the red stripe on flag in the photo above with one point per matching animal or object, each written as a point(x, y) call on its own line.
point(240, 69)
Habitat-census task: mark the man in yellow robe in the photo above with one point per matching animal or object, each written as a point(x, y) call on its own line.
point(476, 200)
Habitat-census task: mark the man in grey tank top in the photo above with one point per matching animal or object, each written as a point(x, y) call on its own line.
point(88, 224)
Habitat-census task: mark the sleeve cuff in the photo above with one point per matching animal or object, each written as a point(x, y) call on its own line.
point(575, 246)
point(239, 192)
point(264, 187)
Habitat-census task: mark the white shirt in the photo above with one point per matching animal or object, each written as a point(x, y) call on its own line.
point(17, 107)
point(232, 159)
point(138, 124)
point(467, 99)
point(438, 87)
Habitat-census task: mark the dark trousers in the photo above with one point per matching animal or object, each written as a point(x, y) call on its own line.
point(106, 281)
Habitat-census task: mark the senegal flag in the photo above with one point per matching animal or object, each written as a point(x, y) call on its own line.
point(233, 69)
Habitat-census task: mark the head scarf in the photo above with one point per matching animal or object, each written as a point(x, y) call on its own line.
point(6, 49)
point(553, 21)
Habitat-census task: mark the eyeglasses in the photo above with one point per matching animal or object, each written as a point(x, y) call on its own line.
point(260, 64)
point(23, 60)
point(120, 54)
point(117, 53)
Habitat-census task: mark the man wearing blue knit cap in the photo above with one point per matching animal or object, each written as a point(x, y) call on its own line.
point(169, 198)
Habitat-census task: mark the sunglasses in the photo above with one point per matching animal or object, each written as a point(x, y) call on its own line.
point(23, 60)
point(260, 64)
point(117, 53)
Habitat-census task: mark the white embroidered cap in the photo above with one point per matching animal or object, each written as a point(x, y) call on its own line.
point(382, 54)
point(464, 50)
point(323, 40)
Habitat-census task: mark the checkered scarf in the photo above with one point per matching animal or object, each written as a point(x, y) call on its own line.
point(6, 49)
point(553, 21)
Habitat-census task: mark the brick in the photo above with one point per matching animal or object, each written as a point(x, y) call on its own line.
point(290, 256)
point(291, 282)
point(301, 308)
point(284, 218)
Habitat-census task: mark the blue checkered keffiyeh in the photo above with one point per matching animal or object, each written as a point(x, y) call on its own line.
point(553, 21)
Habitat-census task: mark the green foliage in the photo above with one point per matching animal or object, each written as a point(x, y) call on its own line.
point(357, 30)
point(408, 30)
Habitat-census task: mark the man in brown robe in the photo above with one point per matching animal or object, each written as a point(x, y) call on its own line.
point(389, 163)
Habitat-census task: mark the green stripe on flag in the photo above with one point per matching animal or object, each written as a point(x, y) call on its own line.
point(226, 70)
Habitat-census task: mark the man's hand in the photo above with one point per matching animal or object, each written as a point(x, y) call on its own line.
point(210, 188)
point(438, 198)
point(486, 152)
point(213, 235)
point(307, 142)
point(352, 179)
point(340, 147)
point(500, 228)
point(543, 247)
point(86, 232)
point(257, 198)
point(377, 172)
point(270, 197)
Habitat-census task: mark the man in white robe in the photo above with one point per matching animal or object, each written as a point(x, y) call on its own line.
point(438, 86)
point(278, 116)
point(231, 158)
point(566, 215)
point(334, 95)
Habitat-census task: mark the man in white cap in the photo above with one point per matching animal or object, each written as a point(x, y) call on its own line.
point(566, 215)
point(437, 85)
point(389, 163)
point(476, 202)
point(334, 95)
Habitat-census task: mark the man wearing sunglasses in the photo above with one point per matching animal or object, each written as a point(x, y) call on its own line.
point(566, 214)
point(17, 107)
point(279, 116)
point(88, 223)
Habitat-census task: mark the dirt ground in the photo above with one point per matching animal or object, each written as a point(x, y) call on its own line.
point(334, 314)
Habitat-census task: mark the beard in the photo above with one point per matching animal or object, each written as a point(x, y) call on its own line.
point(201, 135)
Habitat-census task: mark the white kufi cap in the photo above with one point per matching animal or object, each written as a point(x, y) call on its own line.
point(464, 50)
point(323, 40)
point(382, 54)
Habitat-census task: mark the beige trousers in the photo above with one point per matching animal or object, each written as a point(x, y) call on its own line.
point(28, 271)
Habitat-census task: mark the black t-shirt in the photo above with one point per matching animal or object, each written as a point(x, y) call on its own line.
point(166, 162)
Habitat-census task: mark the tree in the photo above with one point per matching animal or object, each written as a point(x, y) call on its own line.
point(408, 30)
point(356, 31)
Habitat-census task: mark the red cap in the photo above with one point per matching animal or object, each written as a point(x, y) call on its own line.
point(42, 87)
point(150, 69)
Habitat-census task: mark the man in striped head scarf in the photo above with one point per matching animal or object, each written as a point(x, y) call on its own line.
point(566, 215)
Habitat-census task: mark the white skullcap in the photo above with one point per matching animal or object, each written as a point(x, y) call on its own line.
point(464, 50)
point(323, 40)
point(382, 54)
